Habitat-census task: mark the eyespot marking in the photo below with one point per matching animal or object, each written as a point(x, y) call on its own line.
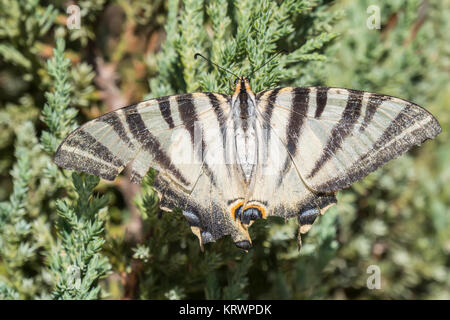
point(248, 213)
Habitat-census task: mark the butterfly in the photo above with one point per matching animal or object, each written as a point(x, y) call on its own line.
point(227, 161)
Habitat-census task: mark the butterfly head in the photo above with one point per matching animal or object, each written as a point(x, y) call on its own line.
point(242, 84)
point(241, 79)
point(243, 95)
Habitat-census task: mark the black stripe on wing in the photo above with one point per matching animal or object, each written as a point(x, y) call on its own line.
point(115, 122)
point(299, 108)
point(321, 100)
point(87, 143)
point(164, 108)
point(391, 144)
point(342, 129)
point(72, 161)
point(267, 115)
point(189, 116)
point(150, 143)
point(375, 101)
point(213, 99)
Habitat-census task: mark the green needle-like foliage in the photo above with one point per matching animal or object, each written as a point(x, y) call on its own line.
point(58, 239)
point(17, 248)
point(78, 265)
point(57, 114)
point(76, 262)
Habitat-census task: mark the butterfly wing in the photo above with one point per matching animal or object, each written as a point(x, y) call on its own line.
point(280, 187)
point(184, 138)
point(158, 133)
point(336, 136)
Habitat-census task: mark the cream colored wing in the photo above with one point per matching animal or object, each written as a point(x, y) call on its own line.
point(184, 137)
point(280, 189)
point(335, 136)
point(158, 133)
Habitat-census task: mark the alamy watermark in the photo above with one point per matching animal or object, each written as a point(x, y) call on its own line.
point(374, 19)
point(73, 274)
point(374, 280)
point(74, 19)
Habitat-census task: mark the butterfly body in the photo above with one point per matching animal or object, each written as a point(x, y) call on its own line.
point(245, 131)
point(227, 161)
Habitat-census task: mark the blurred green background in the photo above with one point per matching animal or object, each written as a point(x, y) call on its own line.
point(60, 239)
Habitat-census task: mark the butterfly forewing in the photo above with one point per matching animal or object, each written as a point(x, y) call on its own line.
point(145, 134)
point(337, 136)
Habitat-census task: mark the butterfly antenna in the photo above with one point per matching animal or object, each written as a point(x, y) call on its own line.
point(273, 57)
point(215, 64)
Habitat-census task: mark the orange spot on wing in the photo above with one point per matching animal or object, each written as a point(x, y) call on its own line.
point(236, 206)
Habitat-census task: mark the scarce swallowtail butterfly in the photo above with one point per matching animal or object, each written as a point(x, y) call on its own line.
point(226, 161)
